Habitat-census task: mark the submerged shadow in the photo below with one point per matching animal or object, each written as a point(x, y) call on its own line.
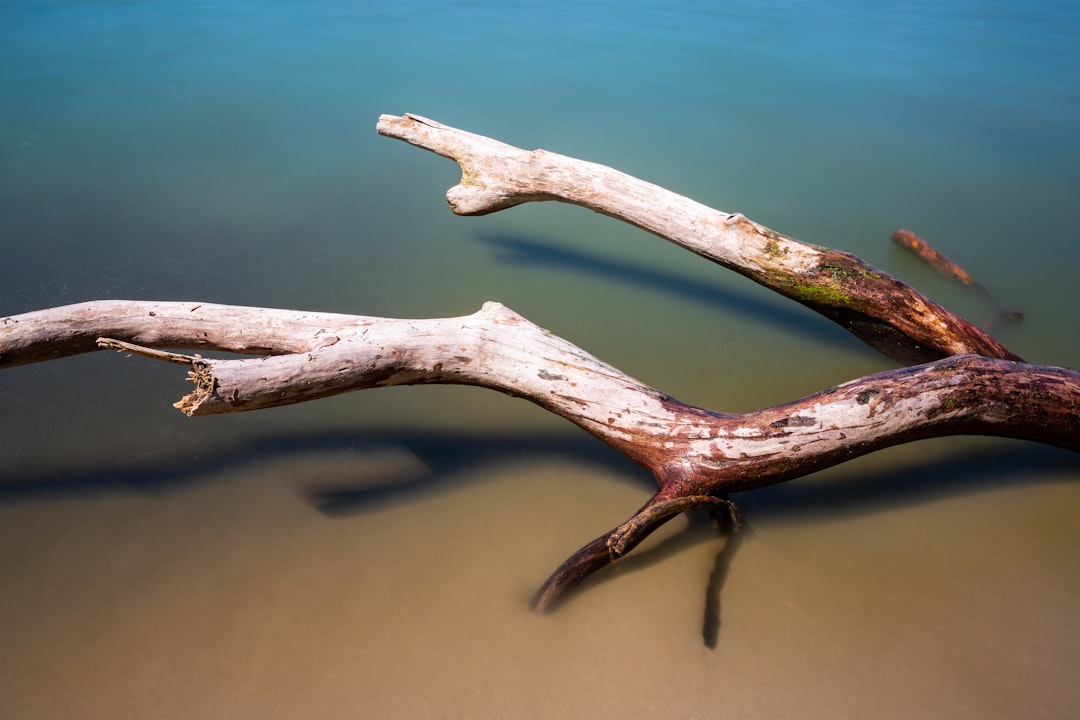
point(784, 316)
point(839, 495)
point(445, 458)
point(735, 536)
point(844, 494)
point(448, 458)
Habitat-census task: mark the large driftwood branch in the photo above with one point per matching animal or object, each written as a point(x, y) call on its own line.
point(884, 312)
point(971, 384)
point(698, 456)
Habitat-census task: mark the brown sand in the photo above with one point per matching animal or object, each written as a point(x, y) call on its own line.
point(234, 597)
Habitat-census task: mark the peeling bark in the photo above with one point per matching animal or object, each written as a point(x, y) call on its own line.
point(882, 311)
point(967, 384)
point(697, 455)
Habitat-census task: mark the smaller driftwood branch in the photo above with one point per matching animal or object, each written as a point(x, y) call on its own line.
point(697, 455)
point(971, 384)
point(884, 312)
point(946, 267)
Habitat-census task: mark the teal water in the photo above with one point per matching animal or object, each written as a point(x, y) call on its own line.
point(154, 565)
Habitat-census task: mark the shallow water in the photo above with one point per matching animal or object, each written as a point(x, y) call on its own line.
point(373, 555)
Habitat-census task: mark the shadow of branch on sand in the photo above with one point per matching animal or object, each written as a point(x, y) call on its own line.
point(445, 456)
point(452, 458)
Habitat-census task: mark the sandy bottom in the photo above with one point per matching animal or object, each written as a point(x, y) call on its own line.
point(322, 584)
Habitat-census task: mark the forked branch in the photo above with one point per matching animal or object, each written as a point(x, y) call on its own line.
point(697, 455)
point(968, 384)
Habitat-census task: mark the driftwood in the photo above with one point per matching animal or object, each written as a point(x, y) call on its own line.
point(971, 385)
point(943, 265)
point(884, 312)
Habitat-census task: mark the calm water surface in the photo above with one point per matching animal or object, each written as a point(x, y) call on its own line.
point(372, 555)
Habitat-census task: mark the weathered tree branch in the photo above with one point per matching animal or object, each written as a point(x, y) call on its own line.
point(698, 456)
point(944, 266)
point(971, 384)
point(884, 312)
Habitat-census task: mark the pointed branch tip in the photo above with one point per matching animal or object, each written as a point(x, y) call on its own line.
point(121, 346)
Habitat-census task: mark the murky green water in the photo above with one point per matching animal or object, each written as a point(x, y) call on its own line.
point(153, 565)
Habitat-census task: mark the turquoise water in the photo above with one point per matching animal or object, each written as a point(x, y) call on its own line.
point(155, 565)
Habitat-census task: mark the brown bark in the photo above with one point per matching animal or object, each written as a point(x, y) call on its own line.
point(935, 258)
point(697, 455)
point(943, 265)
point(882, 311)
point(970, 385)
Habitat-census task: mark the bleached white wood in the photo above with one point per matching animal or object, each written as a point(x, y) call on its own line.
point(697, 455)
point(884, 312)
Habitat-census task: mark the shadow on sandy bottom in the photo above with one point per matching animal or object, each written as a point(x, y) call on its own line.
point(452, 459)
point(449, 457)
point(843, 493)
